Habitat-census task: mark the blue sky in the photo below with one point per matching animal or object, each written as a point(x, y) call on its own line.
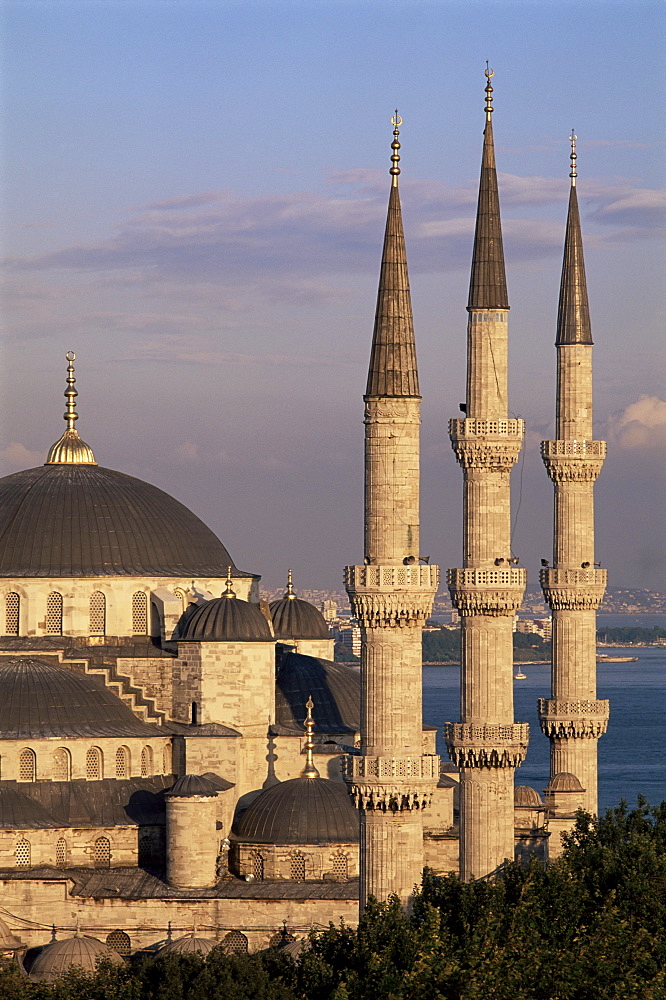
point(194, 202)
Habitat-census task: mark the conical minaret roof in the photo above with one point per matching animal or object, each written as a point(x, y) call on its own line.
point(393, 370)
point(487, 286)
point(573, 315)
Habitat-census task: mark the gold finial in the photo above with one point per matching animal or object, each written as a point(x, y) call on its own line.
point(573, 175)
point(289, 592)
point(70, 449)
point(489, 74)
point(396, 121)
point(309, 771)
point(228, 592)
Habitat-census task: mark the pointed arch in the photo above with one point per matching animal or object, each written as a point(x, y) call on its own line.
point(102, 853)
point(147, 762)
point(27, 765)
point(23, 853)
point(139, 613)
point(94, 764)
point(123, 762)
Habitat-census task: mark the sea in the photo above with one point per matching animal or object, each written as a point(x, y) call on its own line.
point(632, 753)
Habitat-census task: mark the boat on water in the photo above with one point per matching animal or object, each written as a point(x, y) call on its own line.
point(519, 675)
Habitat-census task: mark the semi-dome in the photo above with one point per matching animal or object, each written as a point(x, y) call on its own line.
point(300, 811)
point(189, 945)
point(40, 699)
point(80, 951)
point(564, 782)
point(79, 520)
point(297, 619)
point(227, 619)
point(335, 689)
point(526, 797)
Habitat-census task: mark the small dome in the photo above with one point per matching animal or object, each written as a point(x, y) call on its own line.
point(300, 811)
point(188, 945)
point(8, 941)
point(193, 784)
point(80, 951)
point(227, 619)
point(564, 782)
point(40, 699)
point(526, 797)
point(297, 619)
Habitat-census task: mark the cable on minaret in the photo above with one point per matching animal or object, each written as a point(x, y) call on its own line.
point(396, 121)
point(489, 74)
point(573, 174)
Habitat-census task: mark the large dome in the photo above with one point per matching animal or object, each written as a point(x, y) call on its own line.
point(81, 520)
point(300, 811)
point(80, 951)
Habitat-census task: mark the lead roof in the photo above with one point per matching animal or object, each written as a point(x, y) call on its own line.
point(487, 287)
point(335, 690)
point(573, 314)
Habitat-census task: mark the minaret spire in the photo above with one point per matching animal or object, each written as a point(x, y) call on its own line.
point(391, 780)
point(487, 286)
point(70, 449)
point(573, 316)
point(393, 369)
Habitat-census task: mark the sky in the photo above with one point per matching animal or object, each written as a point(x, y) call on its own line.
point(194, 200)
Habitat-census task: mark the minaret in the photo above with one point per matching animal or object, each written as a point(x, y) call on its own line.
point(486, 744)
point(572, 717)
point(391, 780)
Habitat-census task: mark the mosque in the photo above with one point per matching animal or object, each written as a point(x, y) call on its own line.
point(183, 764)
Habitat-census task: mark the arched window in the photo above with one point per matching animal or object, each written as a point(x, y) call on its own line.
point(123, 762)
point(102, 853)
point(61, 853)
point(166, 759)
point(146, 852)
point(120, 942)
point(258, 866)
point(182, 597)
point(146, 762)
point(27, 765)
point(235, 943)
point(281, 938)
point(22, 854)
point(62, 764)
point(139, 613)
point(340, 866)
point(12, 608)
point(298, 867)
point(94, 764)
point(54, 614)
point(97, 613)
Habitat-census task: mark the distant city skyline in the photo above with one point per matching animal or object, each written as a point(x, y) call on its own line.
point(194, 202)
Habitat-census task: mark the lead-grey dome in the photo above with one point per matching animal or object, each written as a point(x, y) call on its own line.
point(83, 520)
point(300, 811)
point(227, 619)
point(297, 619)
point(193, 784)
point(335, 690)
point(564, 781)
point(80, 951)
point(188, 945)
point(39, 699)
point(526, 797)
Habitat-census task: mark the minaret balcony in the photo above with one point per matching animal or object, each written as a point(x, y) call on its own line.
point(479, 745)
point(582, 719)
point(486, 443)
point(573, 461)
point(393, 783)
point(388, 596)
point(486, 591)
point(573, 589)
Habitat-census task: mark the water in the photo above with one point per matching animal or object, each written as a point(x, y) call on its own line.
point(632, 753)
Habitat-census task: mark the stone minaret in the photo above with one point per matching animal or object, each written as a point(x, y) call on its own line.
point(391, 781)
point(486, 744)
point(572, 717)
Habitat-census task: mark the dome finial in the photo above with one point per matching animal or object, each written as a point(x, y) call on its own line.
point(70, 449)
point(228, 591)
point(309, 771)
point(573, 157)
point(289, 592)
point(489, 74)
point(396, 121)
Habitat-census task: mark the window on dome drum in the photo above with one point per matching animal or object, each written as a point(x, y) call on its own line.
point(27, 765)
point(146, 762)
point(281, 937)
point(22, 854)
point(235, 943)
point(340, 866)
point(139, 613)
point(258, 866)
point(61, 853)
point(122, 762)
point(120, 942)
point(97, 613)
point(166, 759)
point(298, 867)
point(102, 853)
point(62, 764)
point(54, 614)
point(94, 764)
point(12, 607)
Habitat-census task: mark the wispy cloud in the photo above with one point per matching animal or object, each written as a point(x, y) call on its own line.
point(640, 425)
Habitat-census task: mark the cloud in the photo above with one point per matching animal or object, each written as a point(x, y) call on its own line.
point(184, 350)
point(16, 456)
point(640, 425)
